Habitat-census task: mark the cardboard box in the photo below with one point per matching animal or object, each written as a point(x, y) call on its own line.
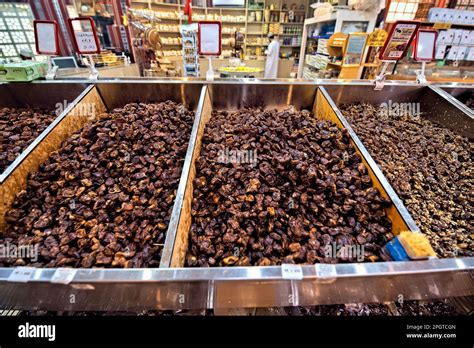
point(448, 40)
point(470, 54)
point(23, 71)
point(462, 52)
point(442, 37)
point(453, 53)
point(440, 51)
point(471, 37)
point(457, 36)
point(435, 14)
point(465, 39)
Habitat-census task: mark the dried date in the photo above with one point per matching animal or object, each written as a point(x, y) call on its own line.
point(430, 168)
point(18, 129)
point(104, 199)
point(306, 190)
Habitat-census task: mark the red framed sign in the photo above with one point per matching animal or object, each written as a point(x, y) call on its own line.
point(399, 39)
point(424, 50)
point(210, 38)
point(85, 35)
point(46, 37)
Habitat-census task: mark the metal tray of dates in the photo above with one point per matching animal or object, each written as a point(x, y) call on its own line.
point(173, 286)
point(462, 95)
point(28, 112)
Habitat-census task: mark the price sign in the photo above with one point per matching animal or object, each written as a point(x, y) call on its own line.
point(46, 37)
point(290, 271)
point(425, 45)
point(85, 35)
point(22, 274)
point(377, 38)
point(399, 40)
point(355, 46)
point(325, 270)
point(209, 34)
point(63, 275)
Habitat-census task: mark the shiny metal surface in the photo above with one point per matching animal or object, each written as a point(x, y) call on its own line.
point(458, 95)
point(173, 224)
point(117, 94)
point(192, 288)
point(179, 288)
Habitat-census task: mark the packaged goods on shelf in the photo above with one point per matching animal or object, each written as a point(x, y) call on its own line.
point(317, 61)
point(196, 17)
point(322, 46)
point(151, 15)
point(190, 49)
point(290, 41)
point(453, 16)
point(262, 41)
point(271, 28)
point(309, 73)
point(167, 27)
point(171, 53)
point(226, 53)
point(166, 14)
point(236, 19)
point(232, 30)
point(291, 30)
point(171, 40)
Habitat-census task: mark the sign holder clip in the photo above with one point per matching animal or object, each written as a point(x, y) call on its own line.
point(380, 78)
point(93, 72)
point(210, 70)
point(52, 70)
point(420, 74)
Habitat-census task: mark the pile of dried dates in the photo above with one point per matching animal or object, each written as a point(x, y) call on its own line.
point(18, 129)
point(430, 168)
point(105, 198)
point(281, 187)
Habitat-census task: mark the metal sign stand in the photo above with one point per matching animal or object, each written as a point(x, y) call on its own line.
point(380, 78)
point(52, 70)
point(210, 70)
point(420, 74)
point(93, 73)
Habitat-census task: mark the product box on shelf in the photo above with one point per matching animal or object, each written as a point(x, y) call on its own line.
point(23, 71)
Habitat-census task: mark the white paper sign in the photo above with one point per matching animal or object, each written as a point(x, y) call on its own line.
point(85, 41)
point(425, 45)
point(290, 271)
point(63, 275)
point(46, 38)
point(22, 274)
point(209, 38)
